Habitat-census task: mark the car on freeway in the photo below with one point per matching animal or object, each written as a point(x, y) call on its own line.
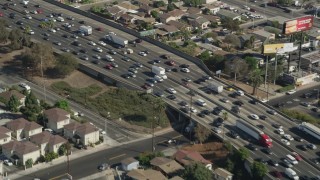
point(142, 53)
point(306, 104)
point(96, 56)
point(102, 43)
point(184, 66)
point(46, 38)
point(171, 91)
point(225, 100)
point(171, 97)
point(277, 174)
point(234, 134)
point(280, 131)
point(108, 66)
point(285, 142)
point(75, 53)
point(252, 101)
point(286, 163)
point(183, 103)
point(185, 109)
point(186, 79)
point(271, 111)
point(254, 116)
point(303, 147)
point(201, 115)
point(288, 137)
point(239, 103)
point(165, 56)
point(115, 65)
point(84, 51)
point(239, 93)
point(103, 166)
point(131, 74)
point(74, 36)
point(76, 43)
point(91, 43)
point(133, 70)
point(206, 112)
point(252, 147)
point(65, 49)
point(113, 52)
point(125, 58)
point(157, 61)
point(98, 49)
point(263, 117)
point(267, 151)
point(152, 62)
point(84, 57)
point(297, 138)
point(170, 63)
point(159, 94)
point(273, 163)
point(216, 130)
point(28, 17)
point(312, 146)
point(95, 62)
point(296, 156)
point(193, 110)
point(149, 83)
point(52, 30)
point(185, 70)
point(291, 92)
point(277, 126)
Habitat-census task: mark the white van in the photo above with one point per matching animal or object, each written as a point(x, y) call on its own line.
point(291, 159)
point(109, 58)
point(201, 102)
point(291, 174)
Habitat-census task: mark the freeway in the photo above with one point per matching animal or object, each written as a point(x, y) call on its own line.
point(173, 81)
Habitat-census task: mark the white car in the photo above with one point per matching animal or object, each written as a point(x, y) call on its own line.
point(240, 93)
point(288, 137)
point(31, 32)
point(185, 70)
point(280, 131)
point(52, 30)
point(97, 49)
point(271, 111)
point(103, 133)
point(28, 17)
point(7, 162)
point(141, 53)
point(291, 92)
point(216, 130)
point(286, 142)
point(193, 110)
point(102, 43)
point(92, 43)
point(171, 91)
point(132, 74)
point(57, 43)
point(96, 56)
point(254, 116)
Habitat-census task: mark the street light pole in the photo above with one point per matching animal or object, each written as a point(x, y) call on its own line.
point(105, 122)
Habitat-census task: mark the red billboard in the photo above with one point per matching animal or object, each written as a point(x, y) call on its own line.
point(300, 24)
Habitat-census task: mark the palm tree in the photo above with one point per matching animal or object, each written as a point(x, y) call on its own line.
point(256, 79)
point(225, 118)
point(251, 40)
point(192, 94)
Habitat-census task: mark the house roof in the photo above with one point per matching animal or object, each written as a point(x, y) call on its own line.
point(72, 126)
point(22, 123)
point(20, 148)
point(165, 15)
point(126, 17)
point(56, 114)
point(166, 165)
point(7, 95)
point(211, 18)
point(168, 28)
point(160, 32)
point(4, 130)
point(178, 24)
point(113, 10)
point(222, 172)
point(178, 4)
point(176, 178)
point(201, 20)
point(148, 174)
point(194, 10)
point(46, 137)
point(211, 6)
point(226, 13)
point(176, 13)
point(127, 5)
point(145, 7)
point(86, 128)
point(186, 157)
point(128, 161)
point(263, 33)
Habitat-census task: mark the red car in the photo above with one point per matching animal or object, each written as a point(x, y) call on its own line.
point(138, 40)
point(296, 156)
point(277, 174)
point(146, 87)
point(170, 63)
point(99, 29)
point(39, 11)
point(1, 14)
point(108, 66)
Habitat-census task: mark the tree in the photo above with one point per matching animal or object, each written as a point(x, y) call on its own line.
point(29, 163)
point(232, 25)
point(63, 104)
point(4, 34)
point(232, 40)
point(32, 107)
point(146, 157)
point(201, 133)
point(256, 79)
point(155, 14)
point(196, 171)
point(242, 154)
point(252, 62)
point(252, 40)
point(206, 11)
point(259, 170)
point(212, 35)
point(62, 150)
point(229, 165)
point(50, 156)
point(236, 67)
point(204, 56)
point(13, 104)
point(193, 3)
point(66, 63)
point(170, 7)
point(159, 106)
point(158, 4)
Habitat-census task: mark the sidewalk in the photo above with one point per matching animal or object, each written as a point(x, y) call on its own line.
point(109, 143)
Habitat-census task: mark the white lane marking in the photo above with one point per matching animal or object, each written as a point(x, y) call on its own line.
point(275, 155)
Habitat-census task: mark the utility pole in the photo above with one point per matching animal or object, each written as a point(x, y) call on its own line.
point(275, 69)
point(266, 72)
point(105, 122)
point(152, 126)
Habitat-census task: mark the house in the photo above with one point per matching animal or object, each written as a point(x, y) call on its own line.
point(228, 14)
point(185, 158)
point(48, 142)
point(129, 164)
point(246, 37)
point(194, 10)
point(142, 2)
point(168, 28)
point(7, 95)
point(178, 4)
point(168, 167)
point(213, 19)
point(126, 19)
point(180, 25)
point(5, 135)
point(208, 40)
point(21, 128)
point(199, 23)
point(21, 151)
point(128, 7)
point(172, 15)
point(176, 178)
point(146, 9)
point(82, 133)
point(213, 8)
point(149, 174)
point(222, 174)
point(263, 35)
point(277, 21)
point(57, 118)
point(208, 1)
point(115, 12)
point(314, 34)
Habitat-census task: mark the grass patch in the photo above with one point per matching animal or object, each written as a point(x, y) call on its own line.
point(300, 116)
point(286, 88)
point(132, 106)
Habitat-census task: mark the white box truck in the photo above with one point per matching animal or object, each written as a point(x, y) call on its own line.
point(310, 129)
point(291, 174)
point(159, 71)
point(86, 30)
point(112, 37)
point(215, 86)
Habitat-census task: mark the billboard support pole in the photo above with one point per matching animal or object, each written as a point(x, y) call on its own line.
point(300, 48)
point(275, 69)
point(266, 72)
point(290, 55)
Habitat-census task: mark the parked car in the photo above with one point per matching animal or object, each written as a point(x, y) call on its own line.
point(103, 166)
point(7, 162)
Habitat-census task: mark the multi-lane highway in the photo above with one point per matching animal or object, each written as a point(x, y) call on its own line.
point(174, 81)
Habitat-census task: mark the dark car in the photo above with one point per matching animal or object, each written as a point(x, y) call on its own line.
point(126, 76)
point(75, 53)
point(113, 52)
point(314, 109)
point(263, 117)
point(234, 135)
point(277, 174)
point(185, 110)
point(279, 105)
point(239, 103)
point(172, 97)
point(267, 151)
point(19, 22)
point(95, 62)
point(297, 138)
point(152, 62)
point(252, 147)
point(76, 43)
point(65, 36)
point(202, 115)
point(184, 66)
point(252, 101)
point(273, 162)
point(157, 61)
point(165, 56)
point(303, 147)
point(159, 94)
point(261, 126)
point(82, 22)
point(83, 51)
point(183, 103)
point(206, 112)
point(174, 70)
point(138, 40)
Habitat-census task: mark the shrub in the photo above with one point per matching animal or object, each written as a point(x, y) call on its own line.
point(286, 88)
point(300, 116)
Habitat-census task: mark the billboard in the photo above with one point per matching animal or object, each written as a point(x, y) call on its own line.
point(300, 24)
point(277, 48)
